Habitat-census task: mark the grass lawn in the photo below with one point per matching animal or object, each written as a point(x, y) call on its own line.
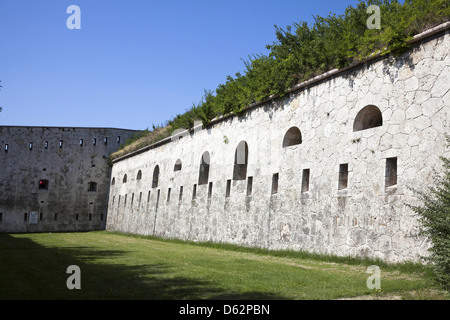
point(118, 266)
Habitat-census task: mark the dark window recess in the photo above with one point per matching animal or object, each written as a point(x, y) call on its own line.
point(46, 145)
point(139, 175)
point(6, 147)
point(118, 139)
point(25, 216)
point(305, 180)
point(94, 141)
point(81, 142)
point(249, 186)
point(148, 196)
point(60, 143)
point(228, 190)
point(157, 198)
point(101, 217)
point(56, 217)
point(1, 216)
point(204, 169)
point(155, 177)
point(31, 146)
point(41, 215)
point(391, 172)
point(125, 178)
point(292, 137)
point(90, 216)
point(168, 194)
point(240, 161)
point(194, 192)
point(76, 217)
point(113, 181)
point(181, 194)
point(177, 166)
point(105, 140)
point(368, 117)
point(210, 190)
point(275, 183)
point(92, 186)
point(343, 176)
point(43, 184)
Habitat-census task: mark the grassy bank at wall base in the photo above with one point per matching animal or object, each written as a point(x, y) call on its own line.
point(118, 266)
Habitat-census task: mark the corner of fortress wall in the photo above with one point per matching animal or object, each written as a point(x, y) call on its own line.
point(338, 183)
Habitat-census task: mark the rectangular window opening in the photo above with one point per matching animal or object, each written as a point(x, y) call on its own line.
point(228, 190)
point(210, 185)
point(391, 172)
point(31, 146)
point(194, 192)
point(81, 142)
point(25, 216)
point(168, 194)
point(181, 194)
point(275, 183)
point(60, 143)
point(343, 176)
point(305, 180)
point(1, 216)
point(249, 186)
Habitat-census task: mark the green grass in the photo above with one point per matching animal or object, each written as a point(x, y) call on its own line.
point(118, 266)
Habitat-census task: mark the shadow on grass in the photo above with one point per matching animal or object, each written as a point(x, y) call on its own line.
point(31, 271)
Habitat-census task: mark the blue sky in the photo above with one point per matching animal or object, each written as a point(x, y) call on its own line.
point(133, 63)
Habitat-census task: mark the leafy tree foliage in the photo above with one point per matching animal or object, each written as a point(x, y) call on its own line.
point(302, 51)
point(434, 216)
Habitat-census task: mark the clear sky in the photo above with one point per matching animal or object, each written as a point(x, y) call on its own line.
point(133, 63)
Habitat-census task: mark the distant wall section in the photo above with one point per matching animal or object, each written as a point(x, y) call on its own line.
point(55, 179)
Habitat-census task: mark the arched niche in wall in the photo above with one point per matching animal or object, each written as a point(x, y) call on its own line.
point(292, 137)
point(368, 117)
point(204, 168)
point(155, 177)
point(139, 175)
point(113, 181)
point(240, 161)
point(177, 166)
point(125, 178)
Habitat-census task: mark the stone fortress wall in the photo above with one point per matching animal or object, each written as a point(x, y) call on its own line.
point(55, 179)
point(327, 168)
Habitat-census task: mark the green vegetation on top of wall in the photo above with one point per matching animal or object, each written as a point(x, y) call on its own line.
point(302, 51)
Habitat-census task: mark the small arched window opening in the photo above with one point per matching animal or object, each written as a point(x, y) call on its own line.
point(292, 137)
point(113, 181)
point(204, 168)
point(240, 161)
point(177, 166)
point(139, 175)
point(92, 186)
point(368, 117)
point(155, 177)
point(125, 178)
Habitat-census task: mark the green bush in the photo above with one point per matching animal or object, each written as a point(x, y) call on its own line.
point(303, 51)
point(434, 216)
